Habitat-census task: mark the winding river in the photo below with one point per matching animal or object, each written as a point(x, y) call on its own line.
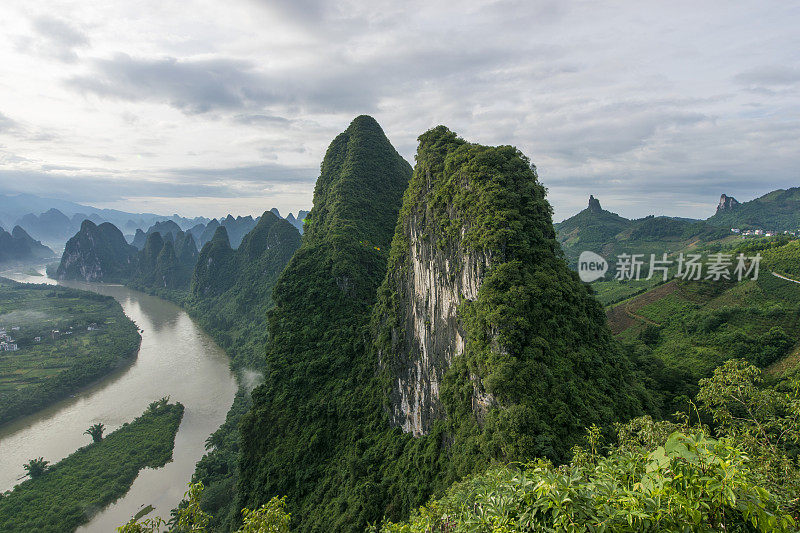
point(176, 359)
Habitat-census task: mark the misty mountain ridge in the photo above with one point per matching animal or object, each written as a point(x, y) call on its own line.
point(54, 221)
point(18, 246)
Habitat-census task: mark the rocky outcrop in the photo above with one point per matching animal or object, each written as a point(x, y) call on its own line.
point(432, 286)
point(479, 317)
point(97, 253)
point(212, 274)
point(726, 203)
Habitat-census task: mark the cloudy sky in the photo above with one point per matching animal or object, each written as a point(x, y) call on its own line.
point(210, 107)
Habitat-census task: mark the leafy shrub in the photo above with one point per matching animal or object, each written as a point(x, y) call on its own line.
point(660, 476)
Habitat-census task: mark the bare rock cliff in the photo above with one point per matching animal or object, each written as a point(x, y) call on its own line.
point(431, 288)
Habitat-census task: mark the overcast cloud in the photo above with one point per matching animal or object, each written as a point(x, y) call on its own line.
point(209, 107)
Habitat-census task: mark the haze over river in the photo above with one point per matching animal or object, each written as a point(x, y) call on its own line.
point(176, 359)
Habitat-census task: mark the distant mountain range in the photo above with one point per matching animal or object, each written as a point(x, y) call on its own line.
point(53, 221)
point(18, 246)
point(44, 215)
point(609, 234)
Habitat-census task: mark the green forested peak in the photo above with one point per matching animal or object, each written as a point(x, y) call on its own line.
point(269, 231)
point(535, 339)
point(490, 195)
point(153, 244)
point(220, 237)
point(439, 140)
point(361, 176)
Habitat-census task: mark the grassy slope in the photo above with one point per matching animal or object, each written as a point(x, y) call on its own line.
point(42, 372)
point(75, 488)
point(681, 331)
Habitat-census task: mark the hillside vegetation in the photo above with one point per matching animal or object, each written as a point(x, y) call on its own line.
point(536, 344)
point(307, 433)
point(610, 235)
point(318, 432)
point(656, 476)
point(778, 210)
point(680, 332)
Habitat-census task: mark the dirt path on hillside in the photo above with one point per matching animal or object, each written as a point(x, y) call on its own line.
point(624, 315)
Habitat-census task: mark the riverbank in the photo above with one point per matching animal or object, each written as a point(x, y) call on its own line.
point(176, 359)
point(57, 341)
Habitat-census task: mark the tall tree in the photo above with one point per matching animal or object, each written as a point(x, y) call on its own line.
point(96, 431)
point(36, 467)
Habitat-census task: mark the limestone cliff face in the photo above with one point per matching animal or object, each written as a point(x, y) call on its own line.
point(430, 288)
point(479, 324)
point(726, 203)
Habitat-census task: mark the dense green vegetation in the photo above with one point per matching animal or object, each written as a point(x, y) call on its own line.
point(742, 475)
point(536, 340)
point(679, 332)
point(778, 210)
point(308, 434)
point(739, 472)
point(58, 364)
point(69, 492)
point(317, 432)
